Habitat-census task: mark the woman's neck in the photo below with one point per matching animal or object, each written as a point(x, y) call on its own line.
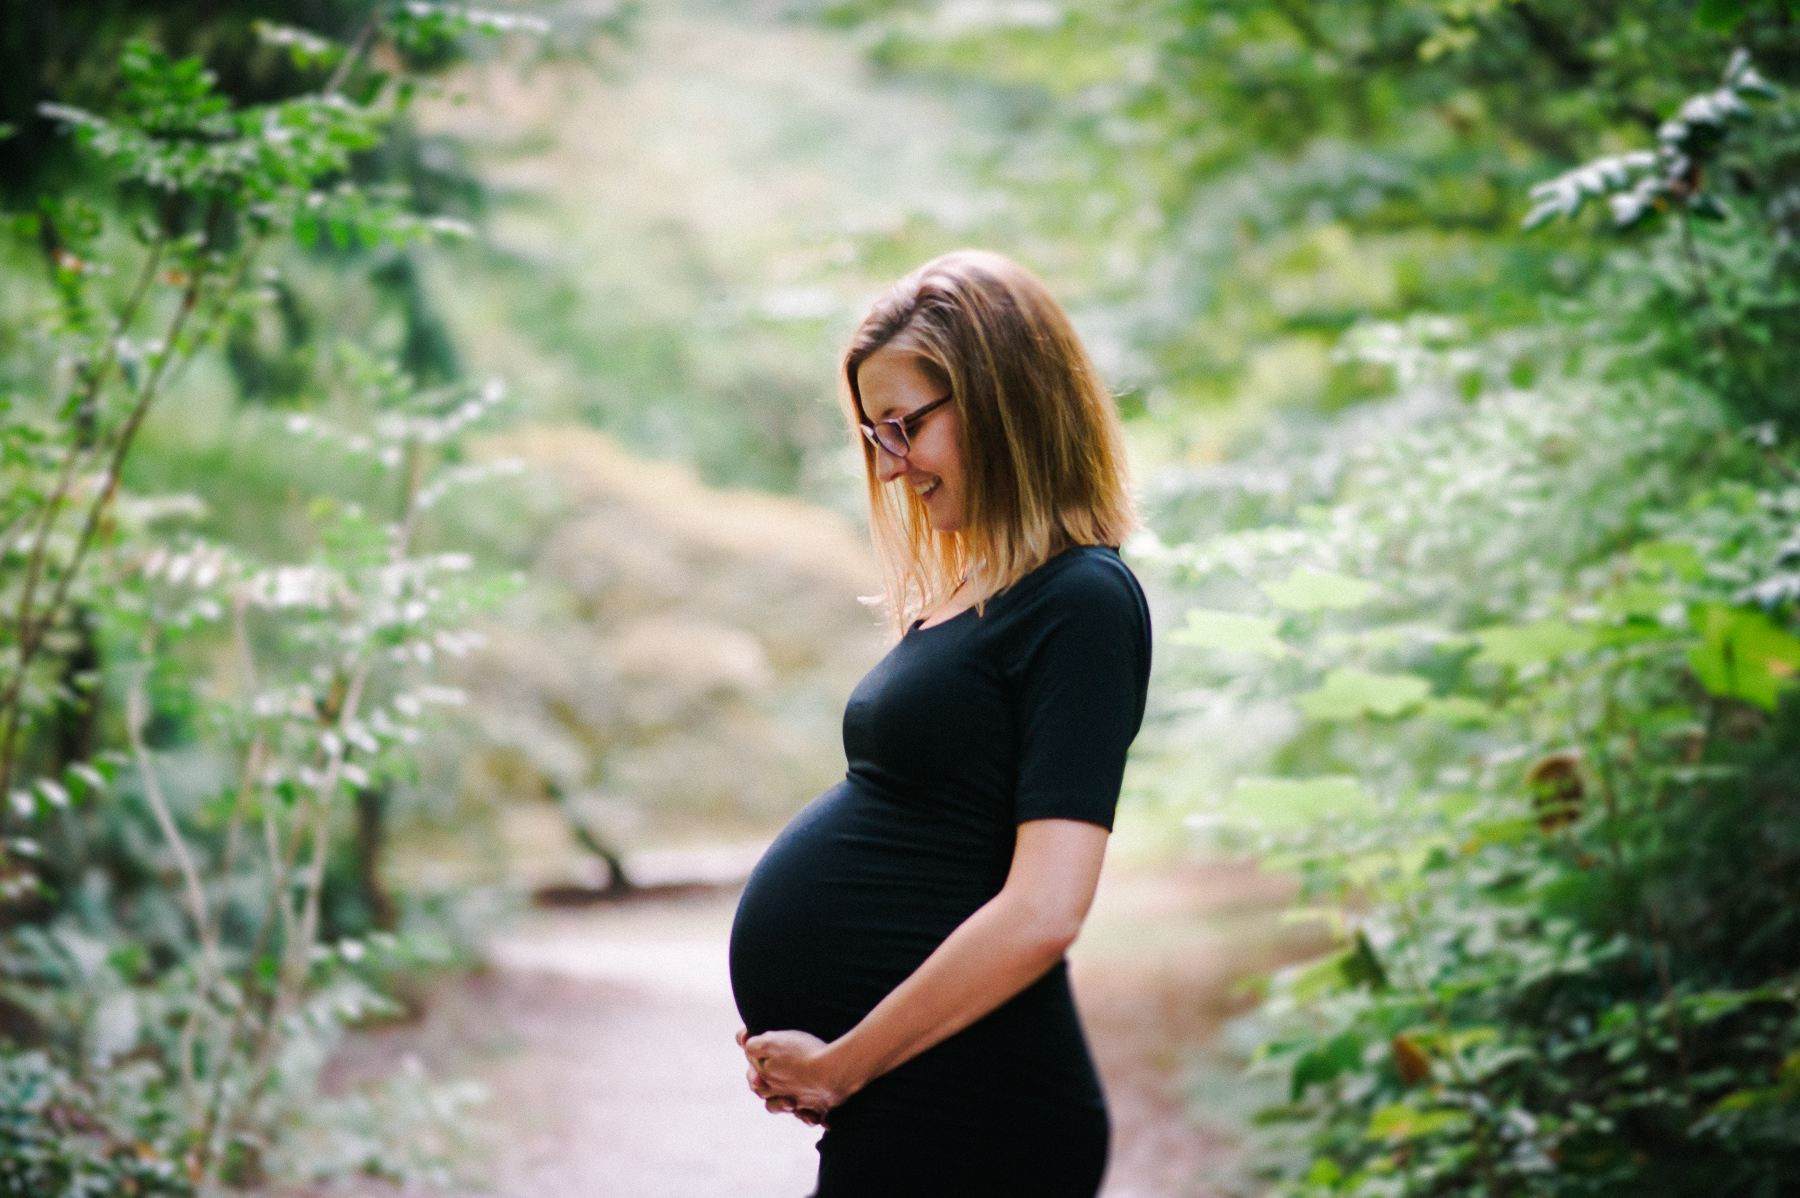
point(964, 596)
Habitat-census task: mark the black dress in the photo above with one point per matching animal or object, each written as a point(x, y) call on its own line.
point(961, 733)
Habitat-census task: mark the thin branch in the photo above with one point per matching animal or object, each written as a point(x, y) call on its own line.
point(136, 715)
point(110, 488)
point(96, 379)
point(321, 829)
point(253, 764)
point(297, 948)
point(1299, 14)
point(209, 324)
point(209, 1158)
point(253, 760)
point(364, 38)
point(32, 629)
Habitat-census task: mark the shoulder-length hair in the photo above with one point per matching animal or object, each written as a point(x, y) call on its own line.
point(1041, 445)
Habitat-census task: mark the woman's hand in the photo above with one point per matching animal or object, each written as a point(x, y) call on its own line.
point(793, 1071)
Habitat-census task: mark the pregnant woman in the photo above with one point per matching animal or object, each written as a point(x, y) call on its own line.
point(898, 952)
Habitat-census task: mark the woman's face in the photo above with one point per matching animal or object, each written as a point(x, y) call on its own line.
point(893, 386)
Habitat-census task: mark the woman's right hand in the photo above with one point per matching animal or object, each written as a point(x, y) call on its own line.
point(784, 1072)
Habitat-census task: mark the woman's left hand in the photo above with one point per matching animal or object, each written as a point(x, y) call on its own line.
point(792, 1071)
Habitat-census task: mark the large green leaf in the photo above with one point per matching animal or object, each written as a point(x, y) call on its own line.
point(1233, 631)
point(1316, 590)
point(1288, 803)
point(1457, 710)
point(1341, 1054)
point(1660, 558)
point(1347, 694)
point(1520, 645)
point(1398, 1121)
point(1745, 655)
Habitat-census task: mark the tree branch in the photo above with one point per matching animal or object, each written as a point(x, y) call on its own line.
point(136, 715)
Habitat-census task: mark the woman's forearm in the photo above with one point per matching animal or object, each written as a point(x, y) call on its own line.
point(1005, 946)
point(992, 957)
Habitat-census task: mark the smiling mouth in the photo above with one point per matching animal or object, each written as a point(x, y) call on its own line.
point(925, 490)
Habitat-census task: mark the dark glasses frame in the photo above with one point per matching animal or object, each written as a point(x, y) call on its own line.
point(895, 435)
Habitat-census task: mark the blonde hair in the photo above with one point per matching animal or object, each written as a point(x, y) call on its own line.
point(1041, 447)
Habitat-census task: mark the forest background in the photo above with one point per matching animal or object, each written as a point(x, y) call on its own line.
point(1453, 338)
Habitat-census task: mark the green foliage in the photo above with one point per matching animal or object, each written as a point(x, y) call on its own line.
point(1671, 176)
point(1230, 630)
point(1744, 655)
point(1284, 803)
point(58, 1139)
point(1237, 182)
point(185, 720)
point(1314, 590)
point(180, 138)
point(1503, 665)
point(1346, 694)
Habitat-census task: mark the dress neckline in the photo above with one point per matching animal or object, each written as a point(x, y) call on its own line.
point(1068, 554)
point(918, 625)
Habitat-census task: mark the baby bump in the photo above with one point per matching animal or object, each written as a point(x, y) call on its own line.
point(848, 901)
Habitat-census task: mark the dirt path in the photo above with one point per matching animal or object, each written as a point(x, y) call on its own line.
point(603, 1038)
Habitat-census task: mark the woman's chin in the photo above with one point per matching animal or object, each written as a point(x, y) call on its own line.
point(938, 513)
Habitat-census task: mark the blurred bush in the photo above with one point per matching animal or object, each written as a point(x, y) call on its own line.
point(187, 723)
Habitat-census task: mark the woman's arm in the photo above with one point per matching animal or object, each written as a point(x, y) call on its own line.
point(1009, 943)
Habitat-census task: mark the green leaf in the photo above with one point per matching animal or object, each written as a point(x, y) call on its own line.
point(1398, 1121)
point(1740, 1101)
point(1745, 655)
point(1637, 600)
point(1324, 1172)
point(1673, 557)
point(1362, 967)
point(1347, 694)
point(1232, 631)
point(1505, 831)
point(1340, 1054)
point(1520, 645)
point(1296, 802)
point(1316, 590)
point(1457, 710)
point(305, 48)
point(1316, 979)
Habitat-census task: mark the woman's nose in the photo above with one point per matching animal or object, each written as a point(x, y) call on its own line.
point(887, 466)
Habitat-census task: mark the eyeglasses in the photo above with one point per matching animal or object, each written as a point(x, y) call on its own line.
point(896, 435)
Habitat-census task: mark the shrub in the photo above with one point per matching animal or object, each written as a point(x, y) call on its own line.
point(182, 724)
point(1543, 785)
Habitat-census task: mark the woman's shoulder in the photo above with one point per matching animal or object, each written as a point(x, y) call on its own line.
point(1084, 578)
point(1081, 607)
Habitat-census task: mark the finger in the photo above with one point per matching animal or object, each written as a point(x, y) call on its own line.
point(743, 1034)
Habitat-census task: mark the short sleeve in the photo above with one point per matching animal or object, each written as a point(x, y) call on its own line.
point(1081, 677)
